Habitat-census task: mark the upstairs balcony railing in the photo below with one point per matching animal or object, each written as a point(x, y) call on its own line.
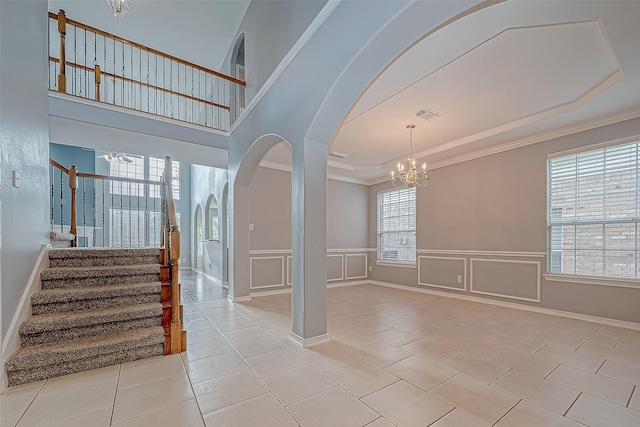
point(94, 64)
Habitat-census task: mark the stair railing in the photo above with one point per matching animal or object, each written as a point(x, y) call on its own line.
point(171, 257)
point(97, 65)
point(105, 211)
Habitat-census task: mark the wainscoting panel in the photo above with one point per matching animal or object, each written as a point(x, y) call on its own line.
point(289, 275)
point(335, 268)
point(442, 272)
point(267, 272)
point(356, 266)
point(506, 278)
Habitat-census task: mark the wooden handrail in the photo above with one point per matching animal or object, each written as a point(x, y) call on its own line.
point(148, 49)
point(126, 79)
point(59, 166)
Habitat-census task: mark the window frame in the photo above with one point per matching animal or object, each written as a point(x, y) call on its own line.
point(402, 262)
point(559, 276)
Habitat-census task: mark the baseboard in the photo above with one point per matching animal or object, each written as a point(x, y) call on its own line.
point(287, 290)
point(215, 279)
point(233, 299)
point(11, 342)
point(551, 311)
point(309, 342)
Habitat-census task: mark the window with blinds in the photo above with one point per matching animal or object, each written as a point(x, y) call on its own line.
point(593, 213)
point(397, 226)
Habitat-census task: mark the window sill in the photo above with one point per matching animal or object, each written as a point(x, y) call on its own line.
point(593, 280)
point(397, 264)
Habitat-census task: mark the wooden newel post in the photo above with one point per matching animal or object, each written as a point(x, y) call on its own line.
point(73, 183)
point(97, 72)
point(176, 323)
point(62, 29)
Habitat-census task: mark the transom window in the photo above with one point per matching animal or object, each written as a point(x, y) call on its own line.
point(593, 212)
point(156, 169)
point(397, 226)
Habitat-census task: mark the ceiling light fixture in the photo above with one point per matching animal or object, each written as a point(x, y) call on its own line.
point(411, 177)
point(120, 8)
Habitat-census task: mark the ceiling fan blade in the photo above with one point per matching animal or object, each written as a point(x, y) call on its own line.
point(126, 159)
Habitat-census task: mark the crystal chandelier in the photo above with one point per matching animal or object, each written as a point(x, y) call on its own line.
point(411, 177)
point(120, 8)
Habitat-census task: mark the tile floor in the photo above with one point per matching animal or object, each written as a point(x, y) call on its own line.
point(395, 358)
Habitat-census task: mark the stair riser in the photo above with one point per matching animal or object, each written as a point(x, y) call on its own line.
point(60, 307)
point(102, 262)
point(98, 281)
point(94, 362)
point(89, 331)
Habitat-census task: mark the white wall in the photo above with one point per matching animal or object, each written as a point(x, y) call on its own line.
point(204, 182)
point(24, 146)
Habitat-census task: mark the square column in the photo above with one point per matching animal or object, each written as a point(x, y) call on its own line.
point(239, 288)
point(309, 244)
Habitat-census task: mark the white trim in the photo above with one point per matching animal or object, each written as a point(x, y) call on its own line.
point(398, 264)
point(342, 284)
point(593, 280)
point(464, 273)
point(288, 251)
point(366, 265)
point(517, 306)
point(218, 281)
point(536, 263)
point(332, 176)
point(289, 279)
point(295, 49)
point(231, 299)
point(11, 342)
point(341, 278)
point(483, 253)
point(353, 250)
point(308, 342)
point(582, 149)
point(258, 294)
point(269, 251)
point(281, 258)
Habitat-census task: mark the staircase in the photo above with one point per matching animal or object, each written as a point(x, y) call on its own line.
point(97, 307)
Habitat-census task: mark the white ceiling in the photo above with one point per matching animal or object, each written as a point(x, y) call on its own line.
point(515, 71)
point(195, 30)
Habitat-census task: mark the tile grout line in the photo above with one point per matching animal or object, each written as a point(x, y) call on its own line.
point(115, 395)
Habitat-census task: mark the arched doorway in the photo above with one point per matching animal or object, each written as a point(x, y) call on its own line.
point(212, 215)
point(198, 239)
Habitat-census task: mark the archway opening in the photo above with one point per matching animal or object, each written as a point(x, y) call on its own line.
point(198, 238)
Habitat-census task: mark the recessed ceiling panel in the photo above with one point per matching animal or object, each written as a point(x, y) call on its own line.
point(514, 77)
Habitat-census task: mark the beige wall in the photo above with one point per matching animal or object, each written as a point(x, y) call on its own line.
point(474, 209)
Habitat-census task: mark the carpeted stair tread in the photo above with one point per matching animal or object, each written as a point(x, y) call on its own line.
point(34, 356)
point(102, 252)
point(77, 319)
point(62, 273)
point(50, 296)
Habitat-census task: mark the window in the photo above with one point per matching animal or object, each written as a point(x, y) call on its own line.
point(132, 170)
point(397, 226)
point(593, 212)
point(156, 169)
point(128, 228)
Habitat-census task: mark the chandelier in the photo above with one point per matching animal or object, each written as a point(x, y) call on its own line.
point(411, 177)
point(120, 8)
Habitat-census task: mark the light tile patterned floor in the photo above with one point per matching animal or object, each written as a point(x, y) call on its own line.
point(397, 358)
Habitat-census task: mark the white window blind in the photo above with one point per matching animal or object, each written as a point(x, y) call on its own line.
point(133, 170)
point(397, 226)
point(593, 213)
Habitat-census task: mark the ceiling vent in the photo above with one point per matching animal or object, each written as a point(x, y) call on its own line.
point(338, 155)
point(427, 114)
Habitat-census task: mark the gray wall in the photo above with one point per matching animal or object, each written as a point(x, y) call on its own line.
point(498, 203)
point(24, 146)
point(347, 208)
point(271, 28)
